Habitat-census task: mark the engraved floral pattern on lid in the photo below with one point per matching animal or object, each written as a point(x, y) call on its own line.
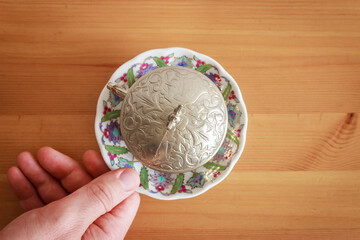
point(170, 142)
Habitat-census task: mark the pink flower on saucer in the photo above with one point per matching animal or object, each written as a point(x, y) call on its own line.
point(165, 59)
point(199, 63)
point(144, 66)
point(112, 155)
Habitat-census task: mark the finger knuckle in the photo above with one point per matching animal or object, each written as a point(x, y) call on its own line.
point(102, 195)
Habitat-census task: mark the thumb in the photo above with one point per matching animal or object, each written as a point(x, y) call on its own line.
point(81, 208)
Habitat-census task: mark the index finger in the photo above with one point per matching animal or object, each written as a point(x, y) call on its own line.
point(71, 175)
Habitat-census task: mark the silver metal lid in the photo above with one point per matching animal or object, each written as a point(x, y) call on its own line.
point(173, 119)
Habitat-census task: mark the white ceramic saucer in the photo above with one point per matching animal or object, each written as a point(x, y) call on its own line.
point(163, 185)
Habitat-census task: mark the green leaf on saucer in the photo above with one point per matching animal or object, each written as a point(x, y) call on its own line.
point(178, 182)
point(214, 166)
point(159, 62)
point(144, 178)
point(131, 163)
point(226, 92)
point(203, 68)
point(130, 77)
point(110, 115)
point(115, 149)
point(232, 136)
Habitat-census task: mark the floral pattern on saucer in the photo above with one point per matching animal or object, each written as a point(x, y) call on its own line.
point(154, 182)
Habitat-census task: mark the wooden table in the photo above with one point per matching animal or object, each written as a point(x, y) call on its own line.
point(297, 64)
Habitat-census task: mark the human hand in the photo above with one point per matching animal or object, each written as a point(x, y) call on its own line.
point(52, 176)
point(103, 208)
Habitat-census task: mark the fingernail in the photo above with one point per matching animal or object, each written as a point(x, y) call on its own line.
point(129, 179)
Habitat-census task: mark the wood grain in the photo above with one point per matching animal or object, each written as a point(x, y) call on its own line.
point(282, 142)
point(256, 209)
point(296, 62)
point(288, 56)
